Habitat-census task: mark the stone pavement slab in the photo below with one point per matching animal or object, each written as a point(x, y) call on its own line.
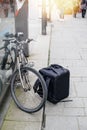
point(82, 121)
point(76, 103)
point(10, 125)
point(61, 123)
point(15, 114)
point(81, 89)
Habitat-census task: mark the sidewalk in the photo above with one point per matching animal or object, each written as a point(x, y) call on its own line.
point(69, 49)
point(16, 119)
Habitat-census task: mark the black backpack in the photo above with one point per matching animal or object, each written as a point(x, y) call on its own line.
point(57, 81)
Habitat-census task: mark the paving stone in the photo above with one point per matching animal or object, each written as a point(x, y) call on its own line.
point(74, 63)
point(85, 109)
point(77, 79)
point(84, 50)
point(73, 112)
point(78, 63)
point(14, 125)
point(14, 113)
point(72, 53)
point(63, 62)
point(54, 109)
point(81, 89)
point(57, 61)
point(40, 48)
point(61, 43)
point(63, 53)
point(85, 102)
point(57, 54)
point(82, 123)
point(75, 103)
point(82, 42)
point(61, 123)
point(84, 79)
point(72, 91)
point(83, 55)
point(85, 61)
point(78, 71)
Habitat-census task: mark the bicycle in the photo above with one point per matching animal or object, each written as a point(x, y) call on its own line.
point(23, 80)
point(9, 59)
point(7, 64)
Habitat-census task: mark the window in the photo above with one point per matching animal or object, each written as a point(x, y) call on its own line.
point(6, 8)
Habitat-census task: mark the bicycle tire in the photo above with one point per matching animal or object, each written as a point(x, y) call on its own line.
point(4, 61)
point(30, 94)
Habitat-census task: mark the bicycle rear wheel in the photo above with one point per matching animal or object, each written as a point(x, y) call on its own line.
point(24, 96)
point(9, 60)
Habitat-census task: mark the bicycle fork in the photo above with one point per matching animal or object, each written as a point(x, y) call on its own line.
point(21, 79)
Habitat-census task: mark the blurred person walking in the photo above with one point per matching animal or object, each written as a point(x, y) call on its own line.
point(76, 6)
point(83, 7)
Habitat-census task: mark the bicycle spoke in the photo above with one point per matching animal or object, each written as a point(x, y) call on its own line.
point(25, 96)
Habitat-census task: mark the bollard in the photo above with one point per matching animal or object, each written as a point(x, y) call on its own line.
point(21, 24)
point(44, 23)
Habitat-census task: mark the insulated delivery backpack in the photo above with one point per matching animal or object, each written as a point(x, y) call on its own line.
point(57, 79)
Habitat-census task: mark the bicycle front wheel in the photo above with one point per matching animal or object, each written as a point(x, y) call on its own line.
point(23, 93)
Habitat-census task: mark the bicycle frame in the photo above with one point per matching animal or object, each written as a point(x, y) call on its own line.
point(21, 61)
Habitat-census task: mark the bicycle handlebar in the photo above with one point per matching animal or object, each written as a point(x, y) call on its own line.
point(8, 35)
point(22, 42)
point(14, 38)
point(29, 40)
point(11, 35)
